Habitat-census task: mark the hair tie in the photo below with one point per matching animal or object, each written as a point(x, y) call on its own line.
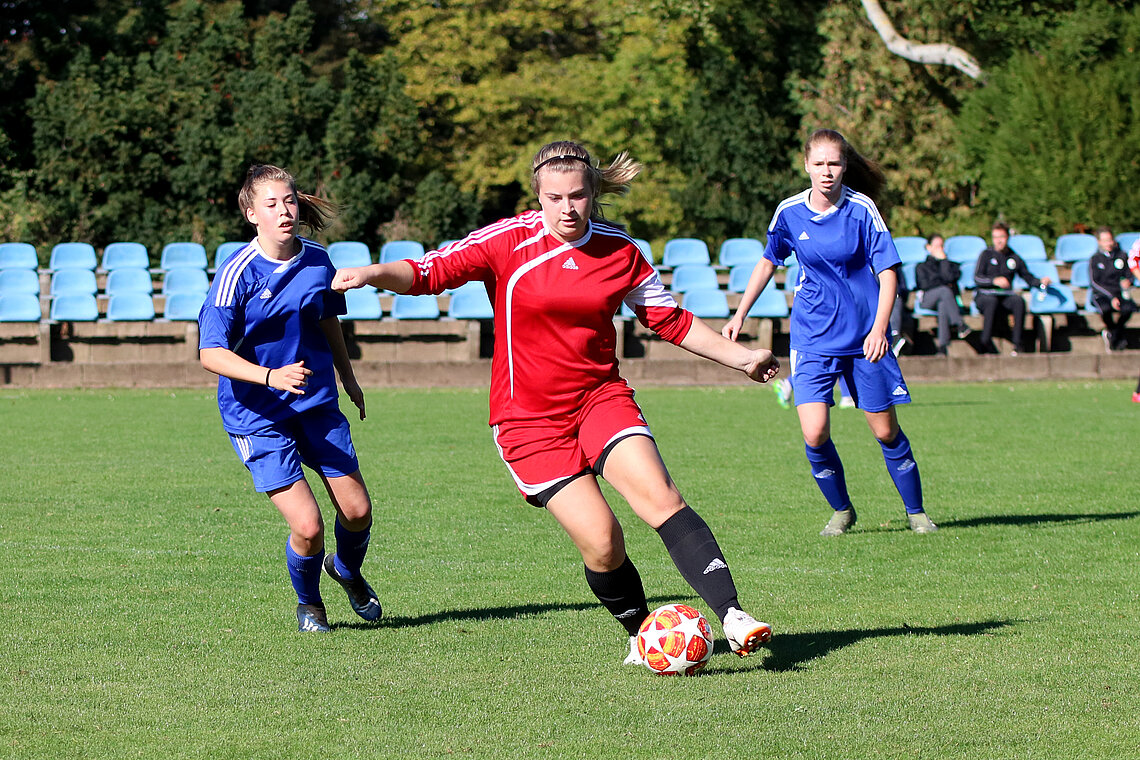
point(561, 157)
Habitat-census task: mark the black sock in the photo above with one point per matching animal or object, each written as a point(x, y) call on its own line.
point(620, 591)
point(697, 555)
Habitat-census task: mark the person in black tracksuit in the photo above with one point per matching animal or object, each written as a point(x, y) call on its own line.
point(937, 280)
point(993, 276)
point(1109, 280)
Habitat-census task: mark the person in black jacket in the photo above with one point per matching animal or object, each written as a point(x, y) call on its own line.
point(937, 280)
point(1109, 280)
point(993, 276)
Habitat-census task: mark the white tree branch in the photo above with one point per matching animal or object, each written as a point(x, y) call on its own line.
point(947, 55)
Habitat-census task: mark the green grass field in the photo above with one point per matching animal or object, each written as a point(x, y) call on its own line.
point(147, 613)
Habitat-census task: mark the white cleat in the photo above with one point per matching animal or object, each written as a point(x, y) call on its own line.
point(745, 633)
point(634, 656)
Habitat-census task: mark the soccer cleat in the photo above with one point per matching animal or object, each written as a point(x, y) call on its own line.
point(745, 633)
point(846, 402)
point(1136, 397)
point(899, 345)
point(783, 390)
point(634, 657)
point(839, 523)
point(360, 594)
point(964, 332)
point(311, 618)
point(920, 523)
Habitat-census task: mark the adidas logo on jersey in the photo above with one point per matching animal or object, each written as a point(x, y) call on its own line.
point(569, 264)
point(266, 294)
point(804, 235)
point(716, 564)
point(899, 391)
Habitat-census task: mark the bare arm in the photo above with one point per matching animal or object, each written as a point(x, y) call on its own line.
point(396, 276)
point(705, 342)
point(876, 344)
point(224, 362)
point(761, 274)
point(335, 336)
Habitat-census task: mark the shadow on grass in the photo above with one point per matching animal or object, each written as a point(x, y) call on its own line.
point(975, 522)
point(791, 651)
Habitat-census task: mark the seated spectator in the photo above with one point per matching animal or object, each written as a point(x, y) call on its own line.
point(937, 280)
point(993, 276)
point(1109, 282)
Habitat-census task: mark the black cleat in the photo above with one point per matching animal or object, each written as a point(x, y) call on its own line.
point(360, 594)
point(311, 618)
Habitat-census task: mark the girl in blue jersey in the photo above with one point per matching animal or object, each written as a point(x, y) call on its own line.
point(269, 329)
point(840, 323)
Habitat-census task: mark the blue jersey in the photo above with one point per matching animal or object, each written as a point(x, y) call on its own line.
point(839, 253)
point(269, 312)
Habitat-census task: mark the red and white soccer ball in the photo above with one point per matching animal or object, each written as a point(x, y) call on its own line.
point(675, 640)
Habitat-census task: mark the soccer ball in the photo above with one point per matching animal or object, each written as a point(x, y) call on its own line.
point(675, 640)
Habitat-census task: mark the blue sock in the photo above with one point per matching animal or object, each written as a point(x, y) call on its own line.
point(904, 471)
point(350, 549)
point(305, 573)
point(828, 472)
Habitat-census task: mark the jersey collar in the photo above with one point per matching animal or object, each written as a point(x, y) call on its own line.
point(821, 215)
point(280, 265)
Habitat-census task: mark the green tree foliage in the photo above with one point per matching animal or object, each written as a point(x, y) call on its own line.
point(1052, 141)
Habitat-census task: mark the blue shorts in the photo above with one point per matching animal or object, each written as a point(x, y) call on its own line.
point(318, 438)
point(875, 387)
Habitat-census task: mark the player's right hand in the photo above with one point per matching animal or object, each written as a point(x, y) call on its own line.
point(292, 377)
point(731, 329)
point(347, 279)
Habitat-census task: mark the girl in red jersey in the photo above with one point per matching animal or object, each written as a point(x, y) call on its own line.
point(561, 414)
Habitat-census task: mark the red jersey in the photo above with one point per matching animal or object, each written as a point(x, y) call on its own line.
point(554, 307)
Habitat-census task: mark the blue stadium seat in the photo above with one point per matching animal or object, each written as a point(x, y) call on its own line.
point(415, 307)
point(184, 307)
point(77, 307)
point(646, 249)
point(625, 312)
point(772, 303)
point(706, 303)
point(362, 303)
point(185, 280)
point(349, 253)
point(738, 278)
point(470, 301)
point(908, 275)
point(1079, 277)
point(397, 250)
point(1126, 239)
point(792, 276)
point(121, 255)
point(693, 276)
point(19, 307)
point(73, 281)
point(72, 256)
point(129, 280)
point(13, 281)
point(1054, 299)
point(1028, 247)
point(225, 250)
point(130, 307)
point(736, 252)
point(964, 248)
point(681, 251)
point(183, 254)
point(911, 248)
point(1074, 247)
point(1040, 270)
point(966, 274)
point(18, 256)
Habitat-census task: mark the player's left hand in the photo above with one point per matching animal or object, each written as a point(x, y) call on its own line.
point(355, 394)
point(875, 346)
point(763, 367)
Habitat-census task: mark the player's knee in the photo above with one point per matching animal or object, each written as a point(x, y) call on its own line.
point(308, 533)
point(356, 514)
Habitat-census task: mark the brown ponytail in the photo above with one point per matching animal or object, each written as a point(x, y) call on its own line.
point(313, 212)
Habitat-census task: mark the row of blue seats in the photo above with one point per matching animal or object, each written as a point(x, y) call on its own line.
point(83, 281)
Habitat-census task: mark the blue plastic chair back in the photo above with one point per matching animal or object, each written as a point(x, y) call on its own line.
point(1126, 239)
point(19, 307)
point(1079, 276)
point(910, 280)
point(75, 307)
point(18, 256)
point(349, 253)
point(72, 256)
point(125, 255)
point(1028, 247)
point(1053, 299)
point(130, 307)
point(1040, 270)
point(25, 281)
point(183, 254)
point(73, 282)
point(911, 248)
point(966, 274)
point(397, 250)
point(706, 303)
point(646, 249)
point(772, 303)
point(470, 301)
point(362, 303)
point(1074, 247)
point(184, 307)
point(792, 276)
point(737, 252)
point(415, 307)
point(964, 248)
point(738, 278)
point(129, 280)
point(225, 250)
point(681, 251)
point(185, 280)
point(692, 277)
